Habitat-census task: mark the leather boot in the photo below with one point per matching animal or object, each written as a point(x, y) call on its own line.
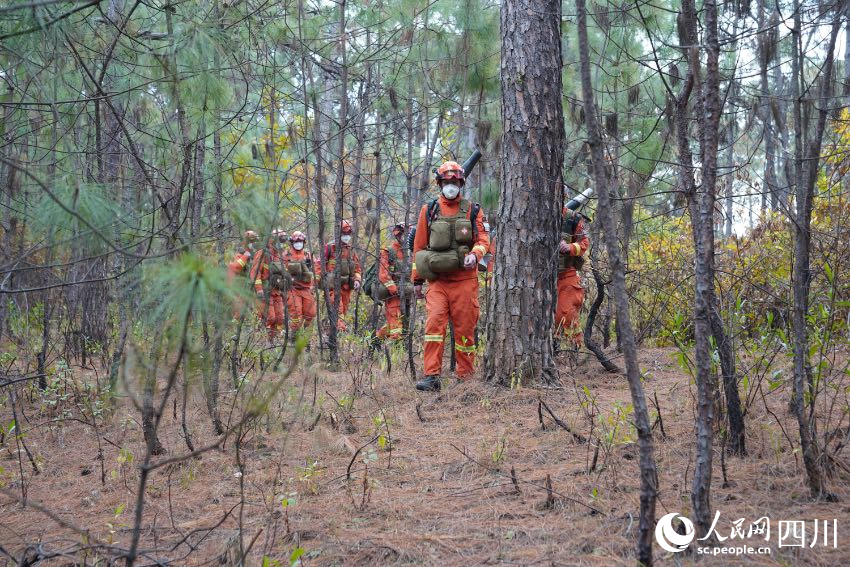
point(429, 383)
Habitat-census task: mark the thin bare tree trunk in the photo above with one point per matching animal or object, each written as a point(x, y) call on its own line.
point(767, 51)
point(806, 175)
point(605, 214)
point(701, 204)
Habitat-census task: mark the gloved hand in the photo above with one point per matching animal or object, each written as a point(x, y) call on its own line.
point(260, 294)
point(563, 247)
point(469, 261)
point(417, 290)
point(356, 286)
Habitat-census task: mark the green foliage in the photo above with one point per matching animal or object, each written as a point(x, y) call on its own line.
point(74, 210)
point(189, 287)
point(310, 474)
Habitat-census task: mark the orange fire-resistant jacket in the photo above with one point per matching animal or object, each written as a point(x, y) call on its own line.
point(347, 253)
point(293, 255)
point(579, 242)
point(260, 271)
point(238, 265)
point(385, 276)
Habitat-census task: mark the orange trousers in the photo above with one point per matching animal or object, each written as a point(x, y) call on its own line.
point(392, 310)
point(271, 312)
point(570, 298)
point(344, 302)
point(455, 301)
point(302, 309)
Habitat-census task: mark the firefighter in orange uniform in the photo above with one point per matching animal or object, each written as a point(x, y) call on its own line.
point(239, 263)
point(571, 249)
point(269, 284)
point(450, 241)
point(299, 266)
point(350, 274)
point(390, 274)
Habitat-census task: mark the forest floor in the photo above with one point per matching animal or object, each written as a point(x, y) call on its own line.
point(455, 478)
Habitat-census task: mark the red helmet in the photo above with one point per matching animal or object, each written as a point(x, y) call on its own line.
point(451, 170)
point(298, 236)
point(345, 227)
point(279, 234)
point(250, 236)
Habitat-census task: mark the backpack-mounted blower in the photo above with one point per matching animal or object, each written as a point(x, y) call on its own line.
point(580, 200)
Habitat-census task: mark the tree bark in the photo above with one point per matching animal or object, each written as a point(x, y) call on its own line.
point(767, 51)
point(806, 171)
point(701, 201)
point(519, 344)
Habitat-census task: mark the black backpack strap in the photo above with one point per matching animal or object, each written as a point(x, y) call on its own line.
point(571, 223)
point(433, 211)
point(476, 210)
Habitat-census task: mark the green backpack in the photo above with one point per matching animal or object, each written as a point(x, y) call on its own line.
point(278, 279)
point(369, 280)
point(374, 288)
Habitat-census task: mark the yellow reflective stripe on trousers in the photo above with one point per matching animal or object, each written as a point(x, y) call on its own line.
point(466, 349)
point(433, 338)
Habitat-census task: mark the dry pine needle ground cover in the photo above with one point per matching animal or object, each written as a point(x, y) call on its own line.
point(464, 477)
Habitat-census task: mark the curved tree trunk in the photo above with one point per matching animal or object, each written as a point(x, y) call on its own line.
point(626, 336)
point(519, 344)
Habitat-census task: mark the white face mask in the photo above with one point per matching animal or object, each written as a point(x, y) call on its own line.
point(298, 245)
point(451, 191)
point(346, 239)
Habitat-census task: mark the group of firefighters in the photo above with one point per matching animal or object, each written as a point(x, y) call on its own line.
point(280, 272)
point(449, 242)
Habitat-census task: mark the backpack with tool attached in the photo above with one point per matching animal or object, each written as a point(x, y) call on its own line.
point(278, 279)
point(450, 239)
point(571, 221)
point(374, 288)
point(345, 267)
point(299, 270)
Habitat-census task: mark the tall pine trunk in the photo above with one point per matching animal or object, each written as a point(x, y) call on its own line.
point(519, 331)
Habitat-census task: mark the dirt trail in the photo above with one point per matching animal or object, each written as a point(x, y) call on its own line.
point(458, 478)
